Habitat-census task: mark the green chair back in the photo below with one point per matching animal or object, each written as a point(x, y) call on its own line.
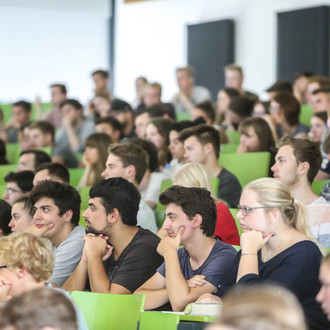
point(233, 136)
point(160, 217)
point(2, 190)
point(82, 221)
point(109, 311)
point(183, 116)
point(4, 170)
point(233, 213)
point(229, 148)
point(84, 195)
point(75, 175)
point(247, 166)
point(47, 150)
point(7, 113)
point(318, 185)
point(159, 320)
point(306, 113)
point(13, 150)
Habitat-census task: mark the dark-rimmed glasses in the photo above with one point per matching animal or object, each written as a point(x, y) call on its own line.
point(246, 210)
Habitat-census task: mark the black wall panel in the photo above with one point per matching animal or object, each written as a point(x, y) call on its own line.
point(210, 48)
point(303, 41)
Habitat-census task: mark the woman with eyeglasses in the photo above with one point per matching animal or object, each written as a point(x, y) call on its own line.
point(277, 246)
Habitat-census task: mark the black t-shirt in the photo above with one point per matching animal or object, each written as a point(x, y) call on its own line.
point(137, 263)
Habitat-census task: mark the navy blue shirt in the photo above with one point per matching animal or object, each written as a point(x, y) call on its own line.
point(297, 269)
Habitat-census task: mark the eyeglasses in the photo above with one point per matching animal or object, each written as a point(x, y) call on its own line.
point(4, 266)
point(246, 210)
point(11, 191)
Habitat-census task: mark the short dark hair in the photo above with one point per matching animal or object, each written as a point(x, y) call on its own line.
point(204, 134)
point(74, 103)
point(151, 150)
point(56, 170)
point(104, 74)
point(280, 86)
point(27, 205)
point(118, 193)
point(23, 104)
point(131, 154)
point(65, 197)
point(290, 107)
point(305, 150)
point(40, 156)
point(193, 201)
point(23, 312)
point(207, 108)
point(305, 74)
point(324, 89)
point(111, 121)
point(120, 105)
point(183, 124)
point(241, 105)
point(45, 126)
point(61, 87)
point(23, 179)
point(5, 217)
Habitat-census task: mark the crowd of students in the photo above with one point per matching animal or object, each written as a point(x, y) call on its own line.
point(127, 150)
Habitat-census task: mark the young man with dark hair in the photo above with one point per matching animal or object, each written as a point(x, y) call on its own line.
point(297, 163)
point(240, 108)
point(57, 213)
point(204, 110)
point(18, 185)
point(130, 161)
point(29, 159)
point(42, 134)
point(118, 256)
point(21, 115)
point(321, 99)
point(51, 171)
point(202, 145)
point(75, 127)
point(111, 126)
point(190, 221)
point(100, 78)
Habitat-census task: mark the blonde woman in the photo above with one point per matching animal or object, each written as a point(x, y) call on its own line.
point(196, 175)
point(277, 247)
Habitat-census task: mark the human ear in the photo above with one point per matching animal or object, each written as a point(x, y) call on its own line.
point(197, 220)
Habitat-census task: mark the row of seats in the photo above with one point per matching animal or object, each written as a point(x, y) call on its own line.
point(119, 311)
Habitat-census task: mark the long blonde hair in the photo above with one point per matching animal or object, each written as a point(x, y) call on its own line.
point(275, 194)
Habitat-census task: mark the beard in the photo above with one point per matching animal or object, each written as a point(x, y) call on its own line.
point(91, 230)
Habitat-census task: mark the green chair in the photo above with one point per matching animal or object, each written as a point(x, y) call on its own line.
point(317, 186)
point(13, 151)
point(159, 320)
point(47, 150)
point(183, 116)
point(236, 247)
point(306, 113)
point(160, 217)
point(75, 175)
point(2, 190)
point(7, 113)
point(164, 185)
point(82, 221)
point(84, 195)
point(247, 166)
point(233, 213)
point(229, 148)
point(233, 136)
point(4, 170)
point(109, 311)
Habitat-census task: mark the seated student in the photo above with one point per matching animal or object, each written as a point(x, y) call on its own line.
point(75, 127)
point(29, 159)
point(57, 213)
point(260, 307)
point(26, 263)
point(323, 297)
point(118, 256)
point(18, 185)
point(224, 98)
point(318, 126)
point(297, 162)
point(39, 309)
point(42, 134)
point(51, 171)
point(202, 145)
point(130, 161)
point(21, 215)
point(5, 216)
point(94, 158)
point(240, 108)
point(196, 175)
point(190, 221)
point(256, 136)
point(204, 110)
point(284, 112)
point(111, 126)
point(277, 246)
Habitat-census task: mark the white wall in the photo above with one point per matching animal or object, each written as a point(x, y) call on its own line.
point(51, 41)
point(151, 38)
